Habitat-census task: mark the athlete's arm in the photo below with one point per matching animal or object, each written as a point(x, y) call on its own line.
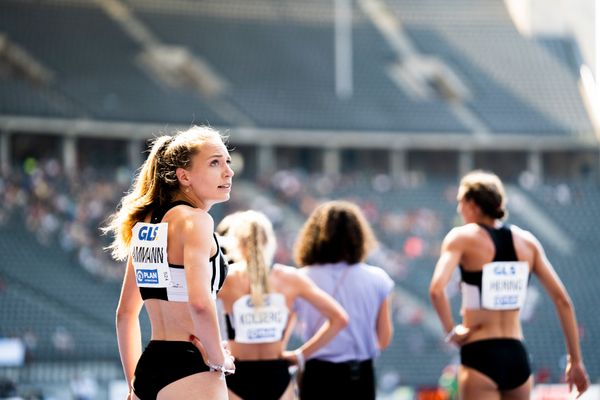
point(449, 258)
point(575, 371)
point(336, 317)
point(129, 335)
point(198, 239)
point(384, 326)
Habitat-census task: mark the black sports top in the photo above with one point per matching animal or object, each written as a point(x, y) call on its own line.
point(230, 328)
point(502, 283)
point(178, 289)
point(505, 251)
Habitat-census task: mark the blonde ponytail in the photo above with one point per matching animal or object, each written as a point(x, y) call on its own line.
point(253, 233)
point(255, 264)
point(155, 184)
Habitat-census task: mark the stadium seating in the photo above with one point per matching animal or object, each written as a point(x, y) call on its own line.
point(79, 42)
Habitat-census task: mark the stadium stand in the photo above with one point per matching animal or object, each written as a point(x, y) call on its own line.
point(95, 66)
point(519, 87)
point(534, 92)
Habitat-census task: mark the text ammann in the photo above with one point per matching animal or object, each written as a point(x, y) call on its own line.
point(154, 255)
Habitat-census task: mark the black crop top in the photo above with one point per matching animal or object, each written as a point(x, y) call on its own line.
point(178, 289)
point(505, 251)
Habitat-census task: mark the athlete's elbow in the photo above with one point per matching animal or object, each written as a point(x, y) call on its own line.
point(127, 310)
point(124, 315)
point(563, 302)
point(436, 292)
point(340, 319)
point(199, 307)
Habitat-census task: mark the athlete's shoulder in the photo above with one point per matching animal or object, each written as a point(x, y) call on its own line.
point(236, 269)
point(191, 218)
point(187, 210)
point(285, 271)
point(461, 232)
point(525, 235)
point(289, 275)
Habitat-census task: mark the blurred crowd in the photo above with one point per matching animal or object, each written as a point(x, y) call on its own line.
point(64, 209)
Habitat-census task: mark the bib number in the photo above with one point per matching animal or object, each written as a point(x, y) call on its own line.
point(149, 255)
point(263, 324)
point(504, 285)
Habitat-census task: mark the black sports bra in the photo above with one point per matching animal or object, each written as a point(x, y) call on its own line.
point(506, 279)
point(505, 251)
point(178, 289)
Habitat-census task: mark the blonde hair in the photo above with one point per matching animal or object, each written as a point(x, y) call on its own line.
point(255, 244)
point(156, 182)
point(486, 190)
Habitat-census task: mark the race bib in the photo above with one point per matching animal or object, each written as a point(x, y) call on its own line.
point(177, 290)
point(149, 255)
point(504, 285)
point(264, 324)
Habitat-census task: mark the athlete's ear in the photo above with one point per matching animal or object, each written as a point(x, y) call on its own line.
point(183, 176)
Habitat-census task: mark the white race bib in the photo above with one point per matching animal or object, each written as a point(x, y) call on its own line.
point(504, 285)
point(149, 255)
point(264, 324)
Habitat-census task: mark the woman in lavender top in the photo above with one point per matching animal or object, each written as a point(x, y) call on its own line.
point(331, 248)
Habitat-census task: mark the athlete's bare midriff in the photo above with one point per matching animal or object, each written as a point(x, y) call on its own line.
point(480, 250)
point(258, 351)
point(170, 320)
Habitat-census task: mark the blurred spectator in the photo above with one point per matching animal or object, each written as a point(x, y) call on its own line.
point(62, 340)
point(563, 194)
point(84, 387)
point(8, 389)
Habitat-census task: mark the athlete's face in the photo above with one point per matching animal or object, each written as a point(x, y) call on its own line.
point(210, 176)
point(467, 209)
point(463, 207)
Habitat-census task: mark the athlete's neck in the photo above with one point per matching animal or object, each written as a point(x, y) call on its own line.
point(488, 221)
point(195, 202)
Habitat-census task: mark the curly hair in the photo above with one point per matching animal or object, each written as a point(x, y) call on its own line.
point(336, 231)
point(156, 182)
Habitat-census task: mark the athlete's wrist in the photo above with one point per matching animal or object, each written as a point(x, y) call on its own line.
point(450, 334)
point(223, 367)
point(573, 360)
point(217, 359)
point(299, 358)
point(457, 330)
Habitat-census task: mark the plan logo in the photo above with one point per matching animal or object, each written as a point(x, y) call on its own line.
point(147, 276)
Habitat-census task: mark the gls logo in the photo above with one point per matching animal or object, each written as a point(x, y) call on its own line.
point(505, 270)
point(147, 276)
point(148, 233)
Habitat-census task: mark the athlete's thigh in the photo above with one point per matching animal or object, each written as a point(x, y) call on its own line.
point(200, 386)
point(522, 392)
point(233, 396)
point(473, 385)
point(290, 392)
